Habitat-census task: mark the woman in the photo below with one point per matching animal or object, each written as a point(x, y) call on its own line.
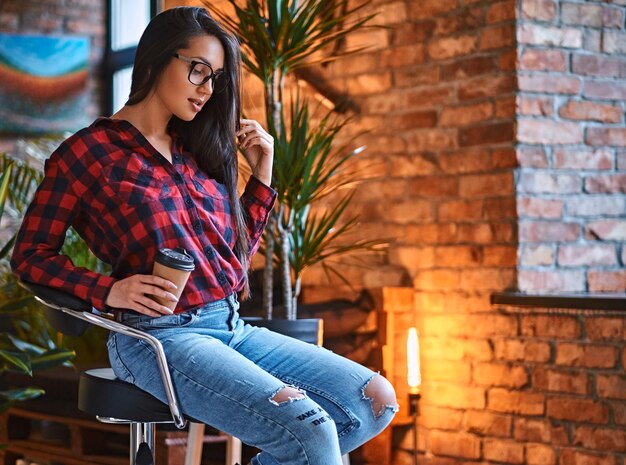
point(162, 172)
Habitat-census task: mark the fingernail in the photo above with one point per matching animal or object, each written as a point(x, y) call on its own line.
point(173, 286)
point(173, 298)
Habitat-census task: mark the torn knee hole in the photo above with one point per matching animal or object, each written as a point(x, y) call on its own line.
point(381, 394)
point(287, 394)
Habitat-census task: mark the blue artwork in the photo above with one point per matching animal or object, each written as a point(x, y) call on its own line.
point(43, 82)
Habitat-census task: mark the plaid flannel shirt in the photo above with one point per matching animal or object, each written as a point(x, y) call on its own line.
point(127, 201)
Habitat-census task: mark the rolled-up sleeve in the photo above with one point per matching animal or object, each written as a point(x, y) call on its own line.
point(258, 200)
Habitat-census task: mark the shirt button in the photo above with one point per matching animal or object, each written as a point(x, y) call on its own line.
point(178, 177)
point(188, 201)
point(197, 226)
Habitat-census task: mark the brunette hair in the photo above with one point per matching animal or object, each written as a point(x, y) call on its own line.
point(210, 136)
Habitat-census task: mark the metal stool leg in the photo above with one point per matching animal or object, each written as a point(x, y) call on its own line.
point(194, 444)
point(345, 459)
point(233, 450)
point(142, 443)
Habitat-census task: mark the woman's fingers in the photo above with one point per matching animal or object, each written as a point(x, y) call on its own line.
point(133, 293)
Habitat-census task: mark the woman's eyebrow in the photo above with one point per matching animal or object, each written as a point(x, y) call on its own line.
point(204, 60)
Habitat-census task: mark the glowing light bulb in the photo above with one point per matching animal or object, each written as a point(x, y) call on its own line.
point(414, 376)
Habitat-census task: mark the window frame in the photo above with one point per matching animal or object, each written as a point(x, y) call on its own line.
point(116, 60)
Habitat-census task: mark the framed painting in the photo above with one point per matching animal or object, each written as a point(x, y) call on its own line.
point(43, 83)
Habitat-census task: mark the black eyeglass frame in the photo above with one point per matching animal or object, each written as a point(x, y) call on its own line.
point(213, 77)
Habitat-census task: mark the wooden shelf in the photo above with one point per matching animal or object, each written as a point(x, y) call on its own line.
point(41, 435)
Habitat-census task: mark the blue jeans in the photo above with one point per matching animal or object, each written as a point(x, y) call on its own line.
point(226, 374)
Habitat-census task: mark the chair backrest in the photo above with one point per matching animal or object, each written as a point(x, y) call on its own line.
point(59, 320)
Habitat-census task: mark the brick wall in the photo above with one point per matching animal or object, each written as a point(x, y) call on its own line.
point(517, 386)
point(61, 17)
point(572, 145)
point(437, 94)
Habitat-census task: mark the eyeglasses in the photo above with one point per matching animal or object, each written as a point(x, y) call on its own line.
point(200, 73)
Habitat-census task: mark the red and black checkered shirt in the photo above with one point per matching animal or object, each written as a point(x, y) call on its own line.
point(127, 201)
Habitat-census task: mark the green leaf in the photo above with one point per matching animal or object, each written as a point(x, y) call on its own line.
point(20, 394)
point(51, 359)
point(4, 185)
point(16, 361)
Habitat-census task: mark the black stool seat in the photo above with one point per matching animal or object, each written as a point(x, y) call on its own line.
point(101, 393)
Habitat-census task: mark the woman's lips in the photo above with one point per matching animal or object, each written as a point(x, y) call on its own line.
point(197, 104)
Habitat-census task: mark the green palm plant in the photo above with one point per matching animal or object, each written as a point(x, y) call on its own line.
point(279, 37)
point(17, 182)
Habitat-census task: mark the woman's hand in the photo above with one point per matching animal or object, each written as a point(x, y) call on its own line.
point(130, 293)
point(258, 148)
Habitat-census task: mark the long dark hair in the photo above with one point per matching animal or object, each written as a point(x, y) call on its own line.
point(210, 136)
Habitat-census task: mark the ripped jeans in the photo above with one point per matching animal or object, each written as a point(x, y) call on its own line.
point(229, 375)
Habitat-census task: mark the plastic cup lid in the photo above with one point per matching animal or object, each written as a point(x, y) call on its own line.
point(177, 258)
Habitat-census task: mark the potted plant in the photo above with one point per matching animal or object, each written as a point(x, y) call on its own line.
point(279, 39)
point(21, 351)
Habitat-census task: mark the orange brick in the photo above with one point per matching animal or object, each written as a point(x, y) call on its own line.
point(543, 10)
point(539, 208)
point(607, 281)
point(543, 60)
point(497, 37)
point(546, 83)
point(437, 279)
point(500, 255)
point(486, 134)
point(586, 355)
point(599, 159)
point(576, 457)
point(500, 12)
point(519, 349)
point(545, 379)
point(619, 412)
point(590, 111)
point(440, 418)
point(543, 231)
point(499, 374)
point(446, 370)
point(458, 256)
point(488, 324)
point(460, 210)
point(486, 279)
point(540, 454)
point(449, 47)
point(540, 430)
point(551, 281)
point(546, 131)
point(575, 409)
point(604, 329)
point(488, 424)
point(535, 106)
point(453, 396)
point(503, 451)
point(562, 327)
point(600, 439)
point(451, 348)
point(525, 403)
point(465, 115)
point(611, 386)
point(606, 136)
point(462, 445)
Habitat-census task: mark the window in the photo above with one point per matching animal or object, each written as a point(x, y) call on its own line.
point(127, 20)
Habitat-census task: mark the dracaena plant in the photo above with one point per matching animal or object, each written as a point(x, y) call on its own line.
point(34, 345)
point(17, 181)
point(278, 38)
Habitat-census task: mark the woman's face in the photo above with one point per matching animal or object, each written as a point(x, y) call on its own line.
point(182, 98)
